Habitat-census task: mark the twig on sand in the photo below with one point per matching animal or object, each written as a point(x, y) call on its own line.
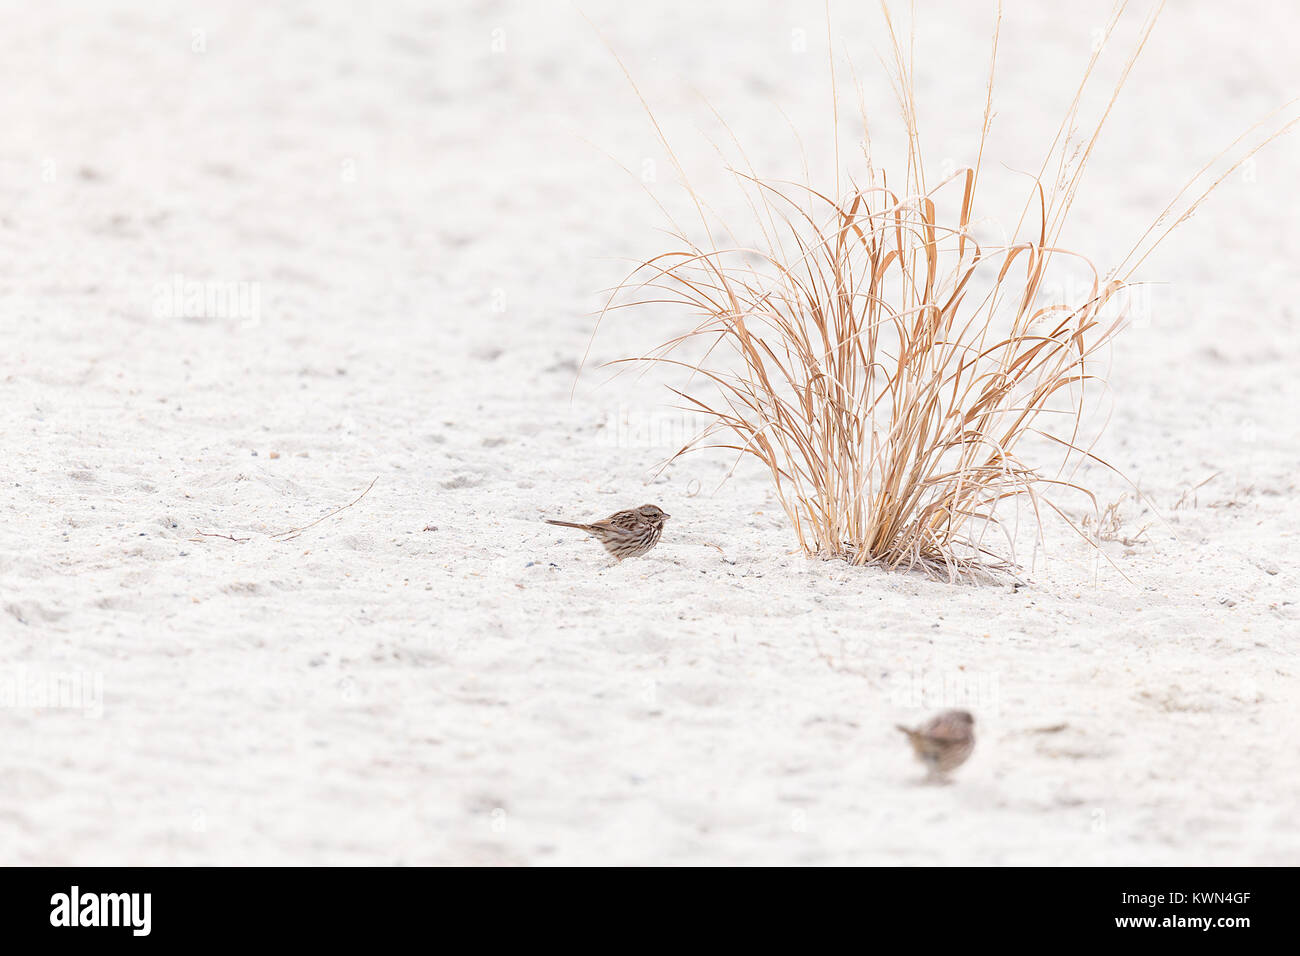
point(841, 667)
point(1190, 493)
point(295, 532)
point(214, 534)
point(1052, 729)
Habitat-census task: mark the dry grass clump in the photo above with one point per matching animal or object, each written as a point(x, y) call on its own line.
point(899, 379)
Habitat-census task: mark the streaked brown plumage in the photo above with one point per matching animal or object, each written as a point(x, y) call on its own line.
point(944, 743)
point(625, 534)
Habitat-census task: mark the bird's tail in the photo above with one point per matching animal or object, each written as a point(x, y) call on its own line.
point(906, 730)
point(567, 524)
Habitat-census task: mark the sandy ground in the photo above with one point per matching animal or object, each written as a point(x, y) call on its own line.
point(255, 259)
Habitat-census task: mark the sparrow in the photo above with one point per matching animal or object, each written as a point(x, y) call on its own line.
point(625, 534)
point(944, 743)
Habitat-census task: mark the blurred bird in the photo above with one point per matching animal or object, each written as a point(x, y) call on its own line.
point(625, 534)
point(945, 742)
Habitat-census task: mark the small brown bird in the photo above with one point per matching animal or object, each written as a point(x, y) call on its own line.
point(625, 534)
point(945, 742)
